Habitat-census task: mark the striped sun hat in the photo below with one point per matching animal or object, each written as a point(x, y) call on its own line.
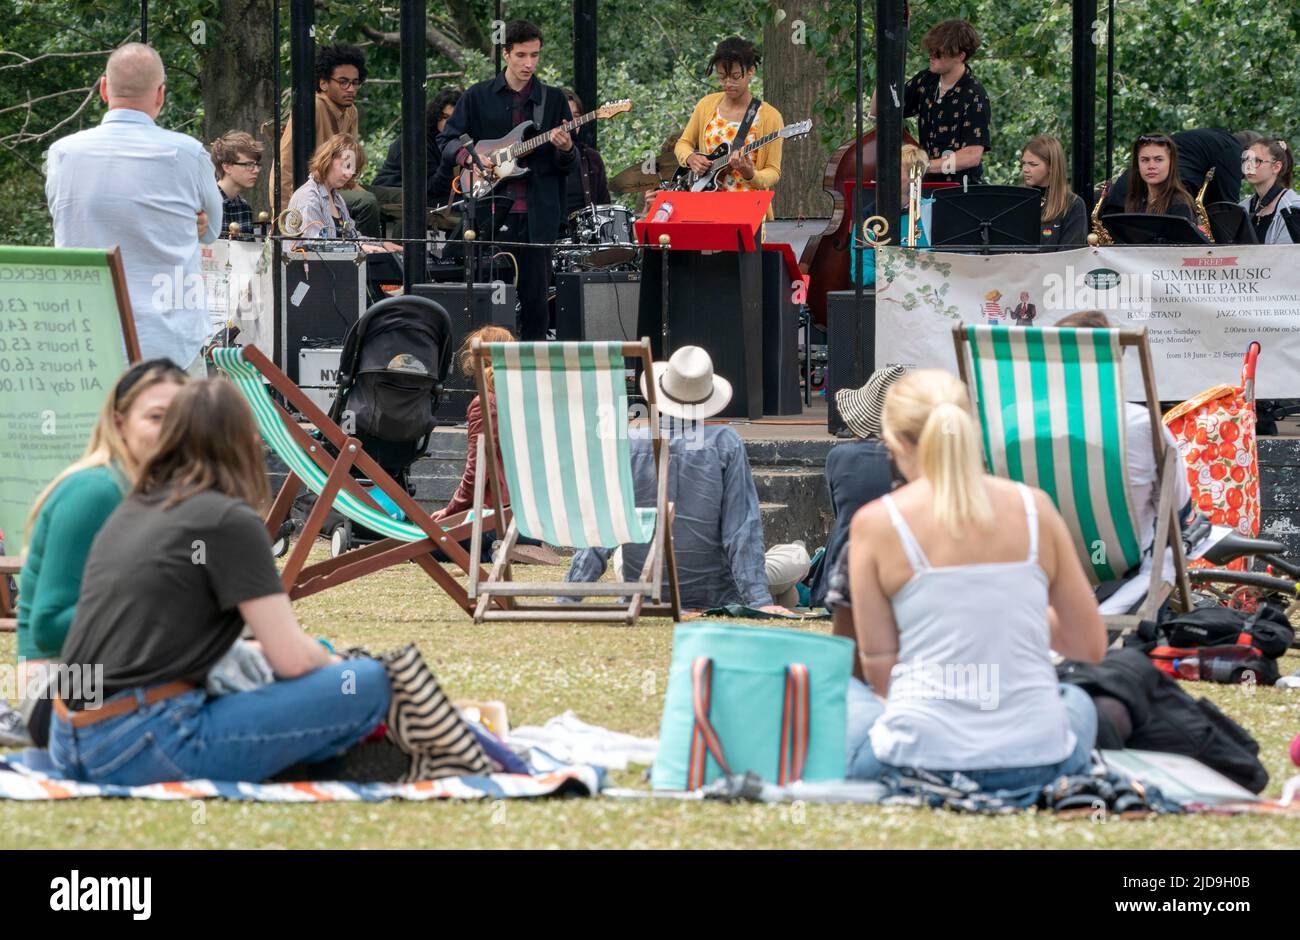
point(861, 407)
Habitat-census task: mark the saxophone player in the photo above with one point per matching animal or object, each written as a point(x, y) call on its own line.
point(1154, 184)
point(913, 226)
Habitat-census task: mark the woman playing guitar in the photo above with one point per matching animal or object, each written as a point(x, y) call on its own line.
point(717, 119)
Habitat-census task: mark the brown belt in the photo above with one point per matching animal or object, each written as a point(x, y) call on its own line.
point(121, 706)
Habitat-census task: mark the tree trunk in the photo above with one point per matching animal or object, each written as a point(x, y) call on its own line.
point(793, 80)
point(238, 75)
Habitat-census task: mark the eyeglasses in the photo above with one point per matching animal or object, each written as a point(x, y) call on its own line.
point(348, 82)
point(248, 164)
point(1249, 163)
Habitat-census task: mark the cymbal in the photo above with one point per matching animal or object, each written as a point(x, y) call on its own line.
point(633, 179)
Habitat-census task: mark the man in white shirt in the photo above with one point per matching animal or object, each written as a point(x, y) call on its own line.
point(149, 191)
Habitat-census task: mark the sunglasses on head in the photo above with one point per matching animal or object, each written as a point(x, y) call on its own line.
point(137, 372)
point(1154, 139)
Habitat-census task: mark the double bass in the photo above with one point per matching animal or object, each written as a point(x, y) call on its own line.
point(826, 256)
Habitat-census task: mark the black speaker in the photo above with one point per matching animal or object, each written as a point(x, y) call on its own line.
point(780, 339)
point(321, 295)
point(597, 305)
point(850, 347)
point(493, 305)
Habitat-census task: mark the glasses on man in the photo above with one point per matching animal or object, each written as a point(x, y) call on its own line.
point(249, 164)
point(348, 82)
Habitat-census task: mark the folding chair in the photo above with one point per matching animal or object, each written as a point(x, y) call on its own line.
point(1051, 409)
point(561, 413)
point(312, 465)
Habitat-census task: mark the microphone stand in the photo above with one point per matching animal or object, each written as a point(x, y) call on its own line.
point(471, 217)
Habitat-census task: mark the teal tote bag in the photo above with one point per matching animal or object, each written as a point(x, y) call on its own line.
point(761, 699)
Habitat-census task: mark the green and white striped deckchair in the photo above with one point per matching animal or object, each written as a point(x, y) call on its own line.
point(1051, 408)
point(561, 416)
point(311, 464)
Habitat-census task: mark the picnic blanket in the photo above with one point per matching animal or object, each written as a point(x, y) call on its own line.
point(29, 776)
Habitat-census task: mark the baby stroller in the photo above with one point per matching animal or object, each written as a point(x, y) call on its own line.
point(395, 359)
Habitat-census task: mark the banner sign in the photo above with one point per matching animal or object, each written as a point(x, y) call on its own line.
point(237, 279)
point(66, 335)
point(1201, 307)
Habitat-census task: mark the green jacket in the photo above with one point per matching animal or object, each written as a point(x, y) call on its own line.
point(56, 557)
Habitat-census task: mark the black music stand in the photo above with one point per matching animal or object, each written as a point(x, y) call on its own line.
point(1136, 228)
point(1230, 224)
point(987, 218)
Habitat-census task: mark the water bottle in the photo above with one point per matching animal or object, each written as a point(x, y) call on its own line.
point(1188, 668)
point(664, 213)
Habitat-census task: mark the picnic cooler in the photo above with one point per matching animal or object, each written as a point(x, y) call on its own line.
point(1215, 433)
point(761, 699)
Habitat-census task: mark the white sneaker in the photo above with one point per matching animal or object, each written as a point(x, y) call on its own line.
point(13, 733)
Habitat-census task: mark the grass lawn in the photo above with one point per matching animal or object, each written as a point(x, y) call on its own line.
point(612, 676)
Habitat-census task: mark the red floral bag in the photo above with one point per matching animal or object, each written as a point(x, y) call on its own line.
point(1215, 433)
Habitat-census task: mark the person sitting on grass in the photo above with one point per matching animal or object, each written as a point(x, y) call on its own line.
point(68, 515)
point(1142, 470)
point(857, 472)
point(962, 584)
point(717, 530)
point(172, 579)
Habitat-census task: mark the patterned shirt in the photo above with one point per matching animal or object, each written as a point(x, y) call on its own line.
point(235, 209)
point(959, 119)
point(720, 131)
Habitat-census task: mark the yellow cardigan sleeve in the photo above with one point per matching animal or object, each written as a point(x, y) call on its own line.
point(767, 161)
point(692, 138)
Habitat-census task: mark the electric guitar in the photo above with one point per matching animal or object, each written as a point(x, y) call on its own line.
point(506, 152)
point(687, 180)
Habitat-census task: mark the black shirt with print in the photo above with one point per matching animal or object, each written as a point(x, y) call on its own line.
point(959, 119)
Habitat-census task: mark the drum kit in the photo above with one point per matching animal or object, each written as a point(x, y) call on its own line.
point(600, 237)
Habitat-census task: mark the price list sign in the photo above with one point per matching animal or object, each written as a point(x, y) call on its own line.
point(66, 334)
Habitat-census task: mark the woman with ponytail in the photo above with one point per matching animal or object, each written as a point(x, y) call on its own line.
point(962, 584)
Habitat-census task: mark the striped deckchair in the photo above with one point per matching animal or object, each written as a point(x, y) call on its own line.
point(1051, 408)
point(561, 411)
point(311, 464)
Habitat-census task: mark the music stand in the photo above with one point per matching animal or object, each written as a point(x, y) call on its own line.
point(986, 217)
point(1230, 224)
point(1136, 228)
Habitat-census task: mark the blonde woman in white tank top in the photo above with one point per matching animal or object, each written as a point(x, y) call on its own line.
point(961, 584)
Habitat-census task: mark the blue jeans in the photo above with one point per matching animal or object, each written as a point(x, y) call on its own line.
point(248, 736)
point(864, 707)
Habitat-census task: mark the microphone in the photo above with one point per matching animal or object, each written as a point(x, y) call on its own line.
point(468, 143)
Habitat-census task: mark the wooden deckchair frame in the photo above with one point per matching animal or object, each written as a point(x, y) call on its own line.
point(1168, 532)
point(501, 586)
point(302, 580)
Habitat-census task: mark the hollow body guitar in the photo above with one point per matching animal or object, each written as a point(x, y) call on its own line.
point(685, 180)
point(506, 152)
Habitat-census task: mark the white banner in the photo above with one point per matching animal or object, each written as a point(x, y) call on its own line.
point(237, 278)
point(1201, 307)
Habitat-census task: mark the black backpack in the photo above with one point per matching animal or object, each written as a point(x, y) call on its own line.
point(1165, 718)
point(1267, 629)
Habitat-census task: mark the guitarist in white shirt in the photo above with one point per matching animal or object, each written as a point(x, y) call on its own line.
point(490, 110)
point(718, 117)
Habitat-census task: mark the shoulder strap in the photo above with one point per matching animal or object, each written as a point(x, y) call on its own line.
point(1031, 519)
point(911, 548)
point(539, 109)
point(750, 113)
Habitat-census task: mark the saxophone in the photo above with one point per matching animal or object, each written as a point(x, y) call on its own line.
point(1202, 217)
point(915, 175)
point(1099, 235)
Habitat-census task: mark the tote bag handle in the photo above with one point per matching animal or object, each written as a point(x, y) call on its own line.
point(794, 725)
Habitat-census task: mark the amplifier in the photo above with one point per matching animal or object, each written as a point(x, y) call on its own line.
point(321, 295)
point(850, 347)
point(493, 304)
point(318, 375)
point(597, 305)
